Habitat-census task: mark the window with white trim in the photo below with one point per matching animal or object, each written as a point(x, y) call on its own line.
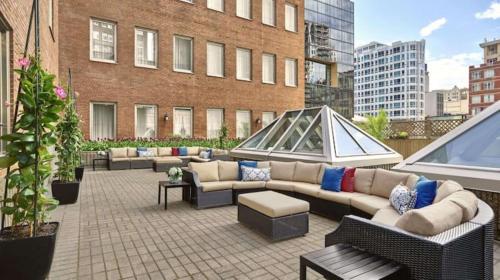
point(267, 118)
point(290, 72)
point(145, 121)
point(183, 122)
point(268, 68)
point(476, 99)
point(215, 59)
point(489, 73)
point(103, 120)
point(217, 5)
point(215, 119)
point(244, 8)
point(290, 17)
point(476, 87)
point(243, 64)
point(146, 48)
point(102, 41)
point(183, 54)
point(269, 12)
point(488, 85)
point(488, 98)
point(243, 121)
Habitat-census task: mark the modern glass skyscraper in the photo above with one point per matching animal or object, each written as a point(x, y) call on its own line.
point(329, 53)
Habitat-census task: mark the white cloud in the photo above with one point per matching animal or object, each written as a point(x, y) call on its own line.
point(493, 12)
point(444, 73)
point(433, 26)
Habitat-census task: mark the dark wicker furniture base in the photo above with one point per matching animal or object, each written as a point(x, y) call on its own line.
point(165, 166)
point(119, 165)
point(141, 164)
point(276, 229)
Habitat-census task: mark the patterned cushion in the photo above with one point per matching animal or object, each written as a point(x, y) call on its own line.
point(255, 174)
point(402, 199)
point(146, 153)
point(204, 155)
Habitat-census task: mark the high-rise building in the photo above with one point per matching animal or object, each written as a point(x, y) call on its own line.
point(329, 52)
point(391, 77)
point(484, 80)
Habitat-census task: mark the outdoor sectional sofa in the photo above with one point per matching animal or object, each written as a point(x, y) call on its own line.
point(450, 239)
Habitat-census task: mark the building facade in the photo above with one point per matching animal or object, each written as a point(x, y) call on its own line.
point(484, 80)
point(182, 67)
point(434, 106)
point(391, 77)
point(329, 53)
point(450, 102)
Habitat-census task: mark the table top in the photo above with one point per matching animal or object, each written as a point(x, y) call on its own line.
point(168, 184)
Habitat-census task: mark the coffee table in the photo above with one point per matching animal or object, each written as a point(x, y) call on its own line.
point(186, 190)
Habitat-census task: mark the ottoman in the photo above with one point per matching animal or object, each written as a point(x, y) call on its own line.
point(273, 214)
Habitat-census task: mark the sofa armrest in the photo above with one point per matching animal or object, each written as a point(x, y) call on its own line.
point(191, 177)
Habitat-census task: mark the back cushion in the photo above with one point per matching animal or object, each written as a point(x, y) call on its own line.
point(153, 151)
point(131, 152)
point(207, 171)
point(164, 151)
point(306, 172)
point(363, 179)
point(263, 164)
point(118, 152)
point(193, 151)
point(412, 181)
point(385, 180)
point(228, 170)
point(321, 172)
point(282, 170)
point(446, 188)
point(465, 200)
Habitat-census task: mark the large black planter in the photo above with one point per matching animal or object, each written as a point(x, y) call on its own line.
point(66, 193)
point(27, 258)
point(79, 173)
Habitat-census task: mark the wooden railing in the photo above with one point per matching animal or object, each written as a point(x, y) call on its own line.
point(427, 129)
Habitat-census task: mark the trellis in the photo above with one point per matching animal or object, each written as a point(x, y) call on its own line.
point(427, 129)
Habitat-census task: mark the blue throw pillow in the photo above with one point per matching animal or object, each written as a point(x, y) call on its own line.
point(332, 179)
point(183, 151)
point(246, 163)
point(426, 192)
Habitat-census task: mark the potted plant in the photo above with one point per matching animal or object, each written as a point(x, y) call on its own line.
point(27, 246)
point(68, 133)
point(174, 174)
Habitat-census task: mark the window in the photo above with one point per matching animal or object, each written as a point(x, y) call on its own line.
point(488, 85)
point(489, 98)
point(290, 72)
point(268, 68)
point(145, 121)
point(183, 122)
point(489, 73)
point(267, 118)
point(215, 118)
point(268, 12)
point(290, 17)
point(476, 99)
point(103, 121)
point(217, 5)
point(243, 64)
point(4, 84)
point(244, 8)
point(476, 87)
point(183, 54)
point(243, 129)
point(215, 59)
point(146, 46)
point(102, 41)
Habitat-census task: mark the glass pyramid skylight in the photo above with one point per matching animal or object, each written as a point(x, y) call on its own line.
point(319, 135)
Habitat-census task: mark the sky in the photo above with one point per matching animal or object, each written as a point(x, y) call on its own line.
point(453, 30)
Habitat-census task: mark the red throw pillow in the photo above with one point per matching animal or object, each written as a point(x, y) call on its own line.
point(175, 151)
point(348, 180)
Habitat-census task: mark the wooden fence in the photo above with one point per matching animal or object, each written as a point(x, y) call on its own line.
point(407, 147)
point(427, 129)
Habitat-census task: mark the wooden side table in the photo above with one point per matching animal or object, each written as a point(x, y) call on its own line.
point(186, 190)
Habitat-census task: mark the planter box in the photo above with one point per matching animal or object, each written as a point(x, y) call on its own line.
point(66, 193)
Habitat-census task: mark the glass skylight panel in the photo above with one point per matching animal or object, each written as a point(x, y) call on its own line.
point(283, 125)
point(300, 127)
point(344, 143)
point(255, 140)
point(368, 144)
point(313, 140)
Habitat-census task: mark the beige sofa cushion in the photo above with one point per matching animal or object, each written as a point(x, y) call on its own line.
point(207, 171)
point(339, 197)
point(280, 185)
point(387, 216)
point(306, 172)
point(432, 219)
point(131, 152)
point(306, 188)
point(240, 185)
point(412, 181)
point(164, 151)
point(167, 160)
point(385, 180)
point(216, 186)
point(446, 188)
point(322, 167)
point(282, 170)
point(153, 151)
point(363, 179)
point(370, 203)
point(273, 204)
point(263, 164)
point(228, 170)
point(193, 151)
point(465, 200)
point(120, 159)
point(199, 159)
point(118, 152)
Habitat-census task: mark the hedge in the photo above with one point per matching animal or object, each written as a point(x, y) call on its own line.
point(103, 145)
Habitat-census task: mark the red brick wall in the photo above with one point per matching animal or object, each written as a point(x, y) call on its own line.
point(127, 85)
point(496, 85)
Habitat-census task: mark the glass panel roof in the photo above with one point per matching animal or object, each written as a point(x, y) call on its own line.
point(299, 128)
point(313, 140)
point(369, 145)
point(282, 126)
point(344, 143)
point(255, 140)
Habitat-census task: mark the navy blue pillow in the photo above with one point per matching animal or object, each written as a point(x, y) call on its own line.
point(246, 163)
point(183, 151)
point(209, 151)
point(332, 179)
point(426, 192)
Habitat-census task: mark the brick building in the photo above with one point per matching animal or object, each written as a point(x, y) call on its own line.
point(182, 67)
point(484, 80)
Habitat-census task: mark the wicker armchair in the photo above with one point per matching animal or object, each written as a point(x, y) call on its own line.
point(463, 252)
point(202, 199)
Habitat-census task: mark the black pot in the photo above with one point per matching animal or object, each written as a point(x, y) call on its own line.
point(79, 173)
point(66, 193)
point(27, 258)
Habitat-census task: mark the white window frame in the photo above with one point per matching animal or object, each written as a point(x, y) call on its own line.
point(488, 85)
point(489, 73)
point(5, 88)
point(295, 84)
point(274, 14)
point(249, 122)
point(223, 59)
point(489, 98)
point(218, 110)
point(92, 137)
point(192, 54)
point(476, 87)
point(294, 17)
point(192, 120)
point(214, 9)
point(135, 47)
point(274, 68)
point(268, 113)
point(91, 47)
point(476, 99)
point(249, 51)
point(155, 118)
point(250, 10)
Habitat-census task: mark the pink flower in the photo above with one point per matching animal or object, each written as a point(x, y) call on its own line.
point(24, 62)
point(60, 92)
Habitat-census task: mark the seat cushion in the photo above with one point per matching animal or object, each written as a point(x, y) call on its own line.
point(228, 170)
point(207, 171)
point(282, 170)
point(131, 152)
point(273, 204)
point(120, 159)
point(385, 180)
point(216, 186)
point(280, 185)
point(141, 158)
point(446, 188)
point(431, 220)
point(387, 216)
point(465, 200)
point(164, 151)
point(241, 185)
point(199, 159)
point(306, 172)
point(370, 204)
point(339, 197)
point(118, 152)
point(363, 179)
point(167, 160)
point(307, 188)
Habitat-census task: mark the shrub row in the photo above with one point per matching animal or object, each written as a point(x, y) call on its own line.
point(102, 145)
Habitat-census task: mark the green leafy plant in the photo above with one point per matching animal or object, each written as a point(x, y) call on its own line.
point(223, 132)
point(36, 121)
point(376, 125)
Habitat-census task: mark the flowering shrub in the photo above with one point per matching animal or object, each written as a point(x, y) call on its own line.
point(102, 145)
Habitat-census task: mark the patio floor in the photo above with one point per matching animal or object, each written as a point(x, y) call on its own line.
point(118, 231)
